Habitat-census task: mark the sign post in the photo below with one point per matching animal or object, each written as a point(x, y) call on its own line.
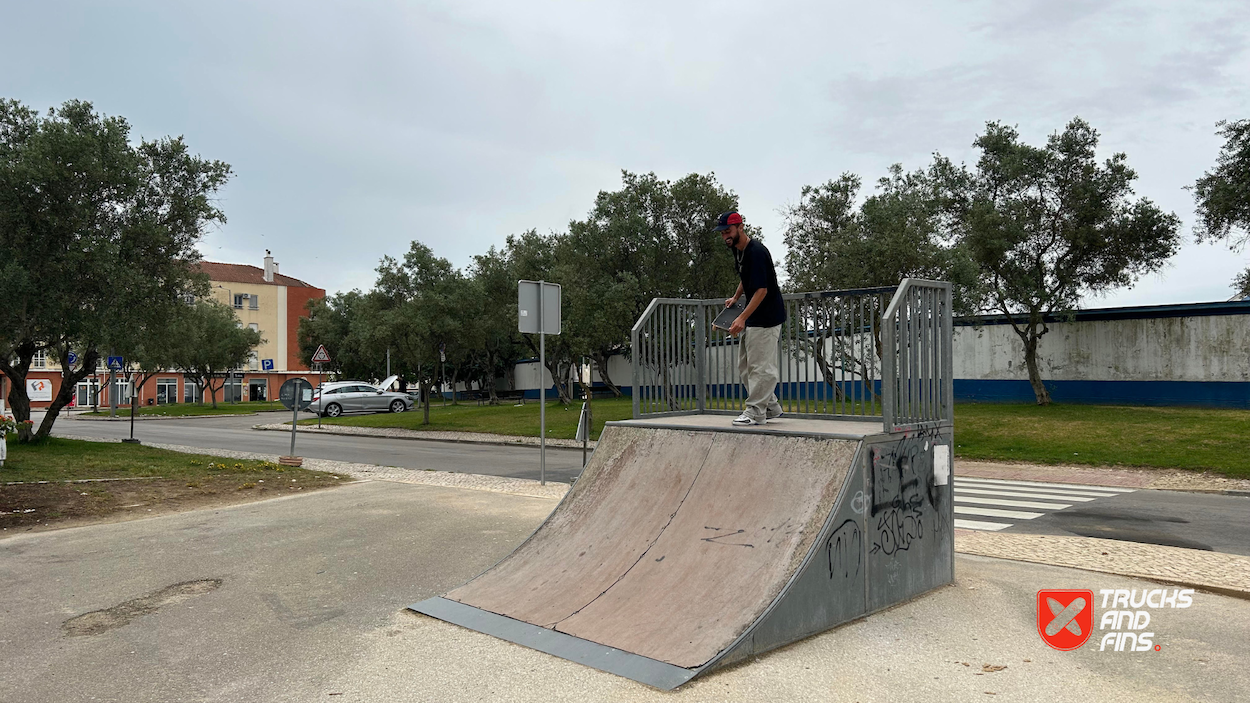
point(321, 356)
point(538, 312)
point(296, 395)
point(583, 429)
point(115, 364)
point(134, 408)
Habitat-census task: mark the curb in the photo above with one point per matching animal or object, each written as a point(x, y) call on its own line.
point(146, 418)
point(1228, 574)
point(1181, 583)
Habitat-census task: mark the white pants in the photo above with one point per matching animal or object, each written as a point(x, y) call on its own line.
point(757, 367)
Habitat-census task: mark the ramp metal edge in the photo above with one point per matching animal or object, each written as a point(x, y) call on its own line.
point(614, 661)
point(744, 430)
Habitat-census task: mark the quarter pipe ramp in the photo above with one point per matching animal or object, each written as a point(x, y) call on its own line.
point(680, 550)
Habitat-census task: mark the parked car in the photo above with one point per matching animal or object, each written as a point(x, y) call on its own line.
point(340, 397)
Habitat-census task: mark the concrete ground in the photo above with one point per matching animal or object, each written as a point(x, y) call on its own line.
point(302, 599)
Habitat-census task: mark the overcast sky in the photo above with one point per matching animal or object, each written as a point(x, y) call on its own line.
point(356, 128)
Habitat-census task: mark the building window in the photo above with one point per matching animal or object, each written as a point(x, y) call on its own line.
point(86, 394)
point(239, 299)
point(233, 390)
point(190, 392)
point(40, 361)
point(253, 302)
point(253, 327)
point(122, 391)
point(253, 361)
point(166, 391)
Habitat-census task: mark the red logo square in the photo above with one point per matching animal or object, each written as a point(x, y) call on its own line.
point(1065, 619)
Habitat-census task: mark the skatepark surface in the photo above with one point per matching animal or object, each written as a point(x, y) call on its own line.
point(310, 608)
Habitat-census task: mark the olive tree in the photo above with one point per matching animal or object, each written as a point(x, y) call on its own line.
point(97, 240)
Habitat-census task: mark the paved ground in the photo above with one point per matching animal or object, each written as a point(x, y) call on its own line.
point(301, 599)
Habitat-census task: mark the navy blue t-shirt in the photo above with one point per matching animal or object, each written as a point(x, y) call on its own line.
point(755, 269)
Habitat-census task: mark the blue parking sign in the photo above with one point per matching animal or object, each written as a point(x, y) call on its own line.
point(116, 363)
point(266, 364)
point(73, 359)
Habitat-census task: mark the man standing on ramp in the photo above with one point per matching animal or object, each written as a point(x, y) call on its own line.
point(758, 327)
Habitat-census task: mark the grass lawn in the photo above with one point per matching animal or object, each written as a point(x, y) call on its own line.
point(151, 480)
point(182, 409)
point(1179, 438)
point(508, 419)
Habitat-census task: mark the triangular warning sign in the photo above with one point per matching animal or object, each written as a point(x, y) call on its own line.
point(321, 356)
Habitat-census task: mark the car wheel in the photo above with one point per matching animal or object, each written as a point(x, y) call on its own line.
point(334, 410)
point(397, 406)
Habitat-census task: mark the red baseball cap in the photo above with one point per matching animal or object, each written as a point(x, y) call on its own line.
point(726, 220)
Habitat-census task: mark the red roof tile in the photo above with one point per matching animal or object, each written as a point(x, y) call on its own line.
point(242, 273)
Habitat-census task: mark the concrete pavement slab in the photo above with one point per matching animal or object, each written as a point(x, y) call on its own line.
point(312, 590)
point(940, 647)
point(301, 578)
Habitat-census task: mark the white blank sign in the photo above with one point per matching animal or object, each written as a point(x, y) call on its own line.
point(527, 307)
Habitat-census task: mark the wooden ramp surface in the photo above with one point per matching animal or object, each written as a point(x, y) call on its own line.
point(673, 541)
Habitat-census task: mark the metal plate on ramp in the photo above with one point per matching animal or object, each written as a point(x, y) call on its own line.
point(610, 659)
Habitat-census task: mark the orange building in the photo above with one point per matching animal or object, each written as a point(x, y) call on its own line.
point(263, 299)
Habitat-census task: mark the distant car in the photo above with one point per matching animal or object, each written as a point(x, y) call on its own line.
point(340, 397)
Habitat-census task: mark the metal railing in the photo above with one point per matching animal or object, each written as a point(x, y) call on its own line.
point(917, 342)
point(832, 356)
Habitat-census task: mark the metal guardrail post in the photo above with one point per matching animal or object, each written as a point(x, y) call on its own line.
point(889, 363)
point(700, 355)
point(948, 356)
point(635, 392)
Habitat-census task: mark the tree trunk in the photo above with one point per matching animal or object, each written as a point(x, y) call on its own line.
point(425, 397)
point(1031, 336)
point(19, 401)
point(19, 406)
point(69, 383)
point(455, 374)
point(560, 378)
point(490, 379)
point(601, 365)
point(212, 392)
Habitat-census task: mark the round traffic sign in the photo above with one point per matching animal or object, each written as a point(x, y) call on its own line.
point(296, 391)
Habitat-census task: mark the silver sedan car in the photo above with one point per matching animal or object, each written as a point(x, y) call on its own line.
point(335, 399)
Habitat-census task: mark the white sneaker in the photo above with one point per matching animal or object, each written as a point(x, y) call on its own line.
point(745, 420)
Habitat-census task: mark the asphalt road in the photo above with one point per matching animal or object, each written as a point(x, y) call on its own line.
point(236, 433)
point(1197, 521)
point(1192, 520)
point(302, 599)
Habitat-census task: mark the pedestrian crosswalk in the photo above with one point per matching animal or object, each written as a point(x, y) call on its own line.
point(1002, 500)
